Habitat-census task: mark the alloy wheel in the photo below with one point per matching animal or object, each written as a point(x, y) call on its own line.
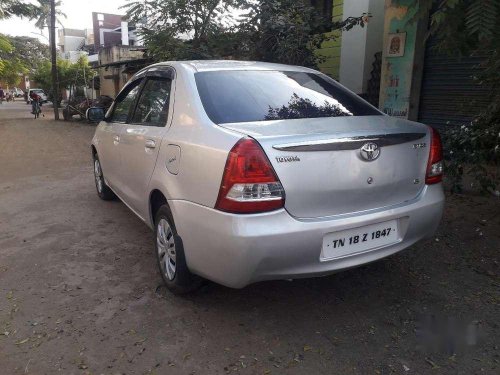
point(99, 181)
point(166, 249)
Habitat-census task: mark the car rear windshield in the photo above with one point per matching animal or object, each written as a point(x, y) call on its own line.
point(244, 96)
point(38, 91)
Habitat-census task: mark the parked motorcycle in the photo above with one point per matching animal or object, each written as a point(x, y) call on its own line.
point(79, 106)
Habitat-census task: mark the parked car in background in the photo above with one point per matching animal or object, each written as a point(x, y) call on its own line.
point(39, 92)
point(252, 171)
point(17, 92)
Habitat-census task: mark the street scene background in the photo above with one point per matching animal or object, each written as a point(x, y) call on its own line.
point(80, 292)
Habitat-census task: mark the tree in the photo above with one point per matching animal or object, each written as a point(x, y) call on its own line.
point(43, 13)
point(71, 75)
point(5, 46)
point(30, 50)
point(468, 28)
point(43, 76)
point(286, 31)
point(182, 28)
point(18, 55)
point(461, 26)
point(80, 74)
point(11, 71)
point(8, 9)
point(19, 8)
point(289, 31)
point(53, 55)
point(197, 18)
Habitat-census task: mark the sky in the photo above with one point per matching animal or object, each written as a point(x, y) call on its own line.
point(78, 12)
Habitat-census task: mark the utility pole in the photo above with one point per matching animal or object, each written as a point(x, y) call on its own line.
point(52, 34)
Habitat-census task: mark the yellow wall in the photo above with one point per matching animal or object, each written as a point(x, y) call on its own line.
point(331, 48)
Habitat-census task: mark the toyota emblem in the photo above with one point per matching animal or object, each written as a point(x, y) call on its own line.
point(369, 151)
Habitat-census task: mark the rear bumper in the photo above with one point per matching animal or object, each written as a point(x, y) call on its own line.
point(236, 250)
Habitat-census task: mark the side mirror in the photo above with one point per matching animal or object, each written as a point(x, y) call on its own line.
point(95, 114)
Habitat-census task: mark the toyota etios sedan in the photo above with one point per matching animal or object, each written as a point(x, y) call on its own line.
point(252, 171)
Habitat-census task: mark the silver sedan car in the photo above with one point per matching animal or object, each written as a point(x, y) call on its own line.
point(253, 171)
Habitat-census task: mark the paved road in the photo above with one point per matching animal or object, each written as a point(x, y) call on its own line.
point(80, 293)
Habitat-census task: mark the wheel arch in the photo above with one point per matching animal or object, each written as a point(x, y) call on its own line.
point(156, 200)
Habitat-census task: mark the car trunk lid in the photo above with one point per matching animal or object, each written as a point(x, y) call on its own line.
point(324, 172)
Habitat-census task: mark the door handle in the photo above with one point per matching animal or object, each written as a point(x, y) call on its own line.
point(116, 139)
point(150, 143)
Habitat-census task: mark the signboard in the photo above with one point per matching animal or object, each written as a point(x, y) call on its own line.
point(397, 58)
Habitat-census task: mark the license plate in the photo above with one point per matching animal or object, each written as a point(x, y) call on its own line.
point(351, 241)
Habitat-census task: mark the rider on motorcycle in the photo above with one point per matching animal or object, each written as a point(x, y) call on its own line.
point(35, 98)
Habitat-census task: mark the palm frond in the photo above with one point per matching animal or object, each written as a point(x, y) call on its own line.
point(481, 18)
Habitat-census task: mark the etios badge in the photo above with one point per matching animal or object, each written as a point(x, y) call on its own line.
point(370, 151)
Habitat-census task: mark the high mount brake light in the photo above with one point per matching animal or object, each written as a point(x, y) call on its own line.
point(435, 166)
point(249, 184)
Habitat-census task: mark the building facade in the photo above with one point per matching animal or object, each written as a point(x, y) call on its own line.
point(349, 57)
point(112, 29)
point(74, 43)
point(117, 64)
point(393, 64)
point(418, 82)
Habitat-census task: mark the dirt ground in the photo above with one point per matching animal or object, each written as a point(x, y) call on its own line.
point(80, 292)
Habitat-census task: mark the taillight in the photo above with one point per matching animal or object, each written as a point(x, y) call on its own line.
point(435, 164)
point(249, 183)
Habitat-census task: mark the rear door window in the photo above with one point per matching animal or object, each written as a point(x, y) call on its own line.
point(152, 107)
point(125, 101)
point(244, 96)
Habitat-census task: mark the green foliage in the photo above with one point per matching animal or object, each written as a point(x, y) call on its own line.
point(481, 19)
point(468, 28)
point(474, 149)
point(69, 75)
point(30, 50)
point(181, 29)
point(80, 73)
point(19, 8)
point(42, 13)
point(11, 71)
point(18, 56)
point(461, 26)
point(5, 46)
point(286, 31)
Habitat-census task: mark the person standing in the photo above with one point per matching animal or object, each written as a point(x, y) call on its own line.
point(2, 95)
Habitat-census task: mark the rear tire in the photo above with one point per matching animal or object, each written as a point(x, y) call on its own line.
point(103, 190)
point(170, 255)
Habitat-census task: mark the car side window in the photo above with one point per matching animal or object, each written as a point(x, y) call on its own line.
point(152, 107)
point(125, 101)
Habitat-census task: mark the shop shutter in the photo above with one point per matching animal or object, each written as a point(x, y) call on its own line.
point(450, 96)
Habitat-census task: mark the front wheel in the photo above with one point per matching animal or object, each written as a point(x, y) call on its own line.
point(170, 255)
point(103, 190)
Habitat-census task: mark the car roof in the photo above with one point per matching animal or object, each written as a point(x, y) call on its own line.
point(212, 65)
